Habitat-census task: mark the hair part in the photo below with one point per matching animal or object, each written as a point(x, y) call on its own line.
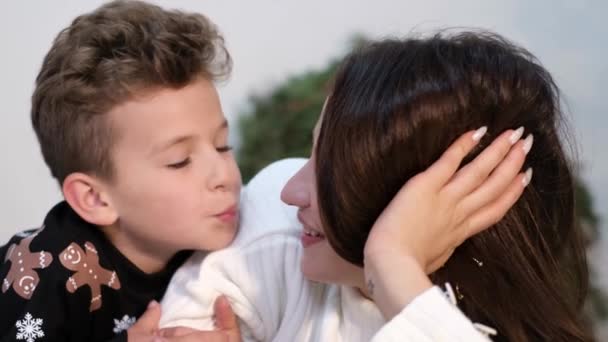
point(106, 57)
point(395, 106)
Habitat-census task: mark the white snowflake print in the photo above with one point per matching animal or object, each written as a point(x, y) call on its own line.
point(125, 323)
point(29, 328)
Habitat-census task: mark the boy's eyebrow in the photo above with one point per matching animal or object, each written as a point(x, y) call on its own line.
point(174, 141)
point(182, 138)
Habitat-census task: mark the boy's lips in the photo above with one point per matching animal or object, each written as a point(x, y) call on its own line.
point(229, 214)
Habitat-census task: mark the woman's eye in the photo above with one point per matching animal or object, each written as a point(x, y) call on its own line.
point(224, 149)
point(180, 164)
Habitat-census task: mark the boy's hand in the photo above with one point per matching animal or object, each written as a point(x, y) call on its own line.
point(146, 327)
point(144, 330)
point(225, 322)
point(225, 319)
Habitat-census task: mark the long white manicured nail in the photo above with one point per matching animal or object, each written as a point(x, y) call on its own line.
point(480, 133)
point(516, 135)
point(527, 177)
point(528, 143)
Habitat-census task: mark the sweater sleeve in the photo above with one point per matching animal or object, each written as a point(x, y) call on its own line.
point(254, 279)
point(430, 317)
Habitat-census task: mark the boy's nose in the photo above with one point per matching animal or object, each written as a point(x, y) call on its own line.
point(225, 176)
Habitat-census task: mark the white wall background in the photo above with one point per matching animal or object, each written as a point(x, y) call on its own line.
point(271, 39)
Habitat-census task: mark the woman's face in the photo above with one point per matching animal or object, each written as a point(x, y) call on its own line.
point(319, 261)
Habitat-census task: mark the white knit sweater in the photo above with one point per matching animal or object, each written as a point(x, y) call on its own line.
point(260, 274)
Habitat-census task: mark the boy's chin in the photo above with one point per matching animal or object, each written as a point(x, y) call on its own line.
point(219, 238)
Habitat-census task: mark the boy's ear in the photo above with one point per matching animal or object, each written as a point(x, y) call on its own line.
point(89, 199)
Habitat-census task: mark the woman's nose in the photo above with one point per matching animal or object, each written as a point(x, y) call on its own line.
point(296, 192)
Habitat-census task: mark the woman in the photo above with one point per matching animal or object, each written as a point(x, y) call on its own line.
point(393, 108)
point(411, 100)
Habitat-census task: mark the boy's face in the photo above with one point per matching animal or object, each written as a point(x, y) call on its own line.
point(176, 183)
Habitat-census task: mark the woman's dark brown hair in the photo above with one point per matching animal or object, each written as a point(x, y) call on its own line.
point(395, 106)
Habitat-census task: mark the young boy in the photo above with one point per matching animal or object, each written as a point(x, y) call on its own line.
point(130, 124)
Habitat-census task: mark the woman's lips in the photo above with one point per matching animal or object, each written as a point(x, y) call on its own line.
point(310, 237)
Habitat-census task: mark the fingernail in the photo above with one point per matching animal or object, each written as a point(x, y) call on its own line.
point(480, 133)
point(152, 304)
point(516, 135)
point(527, 177)
point(528, 143)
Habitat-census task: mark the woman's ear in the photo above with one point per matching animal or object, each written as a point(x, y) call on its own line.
point(89, 198)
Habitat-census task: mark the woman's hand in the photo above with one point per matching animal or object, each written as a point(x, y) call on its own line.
point(438, 209)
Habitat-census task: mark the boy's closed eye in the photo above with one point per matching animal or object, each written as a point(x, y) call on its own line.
point(179, 165)
point(223, 149)
point(185, 162)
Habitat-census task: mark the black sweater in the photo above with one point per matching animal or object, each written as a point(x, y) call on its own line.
point(67, 282)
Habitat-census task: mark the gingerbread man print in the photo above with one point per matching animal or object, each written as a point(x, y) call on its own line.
point(22, 275)
point(87, 270)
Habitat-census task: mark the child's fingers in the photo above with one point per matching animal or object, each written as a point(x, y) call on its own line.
point(199, 336)
point(443, 169)
point(225, 319)
point(175, 331)
point(148, 322)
